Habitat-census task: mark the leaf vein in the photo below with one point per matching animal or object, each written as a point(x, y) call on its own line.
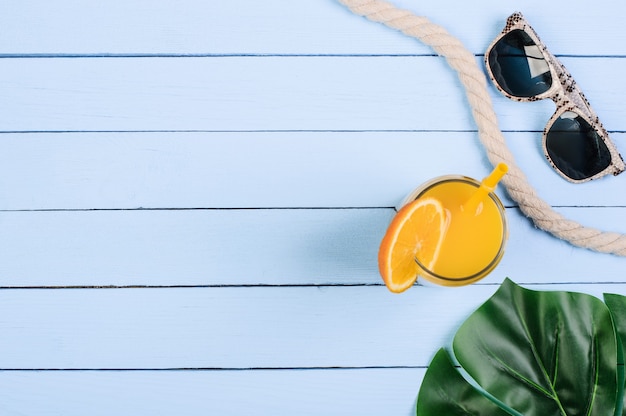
point(533, 347)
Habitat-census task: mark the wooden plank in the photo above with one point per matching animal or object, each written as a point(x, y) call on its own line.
point(227, 93)
point(269, 93)
point(262, 169)
point(190, 247)
point(224, 170)
point(228, 328)
point(258, 247)
point(236, 328)
point(281, 27)
point(199, 393)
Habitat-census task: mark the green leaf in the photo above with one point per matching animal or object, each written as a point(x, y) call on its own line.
point(542, 353)
point(617, 306)
point(445, 392)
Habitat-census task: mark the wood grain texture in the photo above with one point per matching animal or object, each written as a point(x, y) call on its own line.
point(262, 169)
point(199, 393)
point(269, 93)
point(228, 328)
point(192, 195)
point(232, 247)
point(236, 328)
point(282, 27)
point(224, 169)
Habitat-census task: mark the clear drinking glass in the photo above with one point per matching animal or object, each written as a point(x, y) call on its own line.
point(476, 232)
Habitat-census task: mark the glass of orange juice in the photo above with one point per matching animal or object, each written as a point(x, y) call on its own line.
point(476, 229)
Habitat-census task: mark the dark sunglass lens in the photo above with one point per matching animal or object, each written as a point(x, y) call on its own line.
point(518, 65)
point(576, 148)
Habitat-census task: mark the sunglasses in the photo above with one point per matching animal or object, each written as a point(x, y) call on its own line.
point(574, 141)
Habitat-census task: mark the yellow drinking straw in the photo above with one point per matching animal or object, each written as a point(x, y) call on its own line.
point(487, 185)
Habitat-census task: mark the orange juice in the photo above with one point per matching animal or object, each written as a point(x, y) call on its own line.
point(476, 233)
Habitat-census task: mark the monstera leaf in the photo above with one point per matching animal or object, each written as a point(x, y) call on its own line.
point(530, 353)
point(617, 306)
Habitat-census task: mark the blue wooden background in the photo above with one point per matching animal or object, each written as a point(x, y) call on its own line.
point(192, 194)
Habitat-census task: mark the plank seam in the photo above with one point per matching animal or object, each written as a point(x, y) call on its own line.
point(207, 369)
point(285, 286)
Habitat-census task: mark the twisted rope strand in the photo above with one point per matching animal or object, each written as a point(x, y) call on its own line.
point(475, 84)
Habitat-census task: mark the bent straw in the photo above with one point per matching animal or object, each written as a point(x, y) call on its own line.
point(487, 185)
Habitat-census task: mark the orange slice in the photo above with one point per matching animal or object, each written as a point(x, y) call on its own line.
point(417, 230)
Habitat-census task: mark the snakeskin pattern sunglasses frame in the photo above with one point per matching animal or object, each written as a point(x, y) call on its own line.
point(574, 141)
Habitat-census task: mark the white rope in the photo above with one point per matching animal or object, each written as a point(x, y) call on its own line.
point(474, 81)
